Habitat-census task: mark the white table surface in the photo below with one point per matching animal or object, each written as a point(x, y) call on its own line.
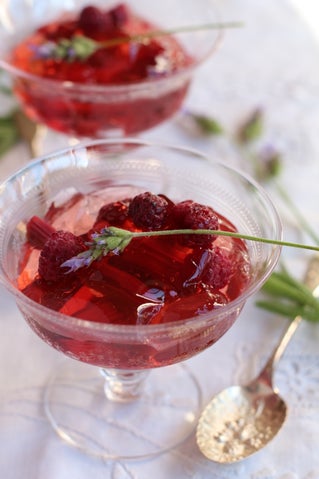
point(272, 62)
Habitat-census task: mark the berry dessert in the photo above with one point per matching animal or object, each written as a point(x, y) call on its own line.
point(72, 65)
point(154, 274)
point(149, 280)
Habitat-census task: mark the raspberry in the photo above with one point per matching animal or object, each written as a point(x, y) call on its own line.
point(93, 21)
point(207, 267)
point(61, 246)
point(114, 213)
point(149, 211)
point(191, 215)
point(219, 270)
point(119, 15)
point(38, 231)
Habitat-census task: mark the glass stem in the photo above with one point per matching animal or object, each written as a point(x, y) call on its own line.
point(123, 385)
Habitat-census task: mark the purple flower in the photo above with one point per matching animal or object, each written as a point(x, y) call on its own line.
point(44, 51)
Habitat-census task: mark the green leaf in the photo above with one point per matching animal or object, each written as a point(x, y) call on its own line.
point(9, 134)
point(207, 125)
point(252, 128)
point(289, 310)
point(281, 285)
point(4, 89)
point(289, 297)
point(267, 164)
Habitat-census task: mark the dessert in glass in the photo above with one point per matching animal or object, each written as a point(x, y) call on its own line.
point(127, 318)
point(89, 71)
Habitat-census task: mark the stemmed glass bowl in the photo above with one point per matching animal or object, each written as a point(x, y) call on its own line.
point(96, 110)
point(146, 399)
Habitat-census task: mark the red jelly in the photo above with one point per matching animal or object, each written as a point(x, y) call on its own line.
point(161, 271)
point(126, 88)
point(154, 280)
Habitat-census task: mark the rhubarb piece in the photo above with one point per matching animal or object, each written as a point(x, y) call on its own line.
point(38, 231)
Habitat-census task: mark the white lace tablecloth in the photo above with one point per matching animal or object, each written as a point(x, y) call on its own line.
point(272, 62)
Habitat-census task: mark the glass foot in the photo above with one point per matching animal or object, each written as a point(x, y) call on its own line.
point(163, 416)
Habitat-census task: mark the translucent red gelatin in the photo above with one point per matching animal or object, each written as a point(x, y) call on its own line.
point(153, 281)
point(91, 112)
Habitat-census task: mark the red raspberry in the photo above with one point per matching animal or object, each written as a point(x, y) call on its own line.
point(207, 267)
point(191, 215)
point(119, 15)
point(61, 246)
point(149, 211)
point(218, 269)
point(94, 22)
point(114, 213)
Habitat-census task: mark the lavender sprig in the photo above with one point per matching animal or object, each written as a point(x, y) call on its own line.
point(109, 240)
point(80, 47)
point(77, 47)
point(114, 240)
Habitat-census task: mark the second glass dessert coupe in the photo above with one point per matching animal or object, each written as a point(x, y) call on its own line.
point(127, 322)
point(89, 71)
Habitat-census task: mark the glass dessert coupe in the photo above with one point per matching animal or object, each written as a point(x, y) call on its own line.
point(140, 399)
point(122, 91)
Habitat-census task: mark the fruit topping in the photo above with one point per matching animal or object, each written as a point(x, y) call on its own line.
point(98, 24)
point(114, 213)
point(119, 15)
point(213, 267)
point(61, 246)
point(149, 211)
point(191, 215)
point(93, 22)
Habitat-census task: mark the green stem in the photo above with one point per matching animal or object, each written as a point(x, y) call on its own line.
point(161, 33)
point(225, 233)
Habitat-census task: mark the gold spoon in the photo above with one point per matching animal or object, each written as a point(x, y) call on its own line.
point(241, 420)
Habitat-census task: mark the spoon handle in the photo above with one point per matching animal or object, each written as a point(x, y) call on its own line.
point(312, 281)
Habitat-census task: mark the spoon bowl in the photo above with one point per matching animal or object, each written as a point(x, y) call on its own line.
point(239, 421)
